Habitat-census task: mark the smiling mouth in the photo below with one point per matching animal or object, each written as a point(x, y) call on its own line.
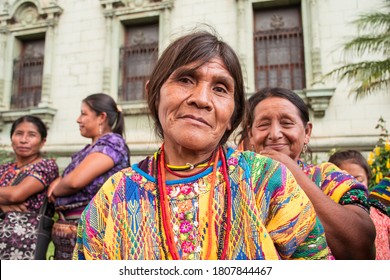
point(200, 120)
point(276, 146)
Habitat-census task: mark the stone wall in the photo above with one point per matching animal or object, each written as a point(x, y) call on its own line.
point(85, 34)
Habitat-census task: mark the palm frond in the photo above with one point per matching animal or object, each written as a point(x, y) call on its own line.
point(374, 40)
point(361, 70)
point(372, 22)
point(370, 87)
point(375, 20)
point(372, 44)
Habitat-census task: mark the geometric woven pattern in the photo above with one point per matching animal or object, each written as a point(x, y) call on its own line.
point(271, 216)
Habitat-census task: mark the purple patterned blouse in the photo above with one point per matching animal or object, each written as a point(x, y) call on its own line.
point(112, 145)
point(45, 171)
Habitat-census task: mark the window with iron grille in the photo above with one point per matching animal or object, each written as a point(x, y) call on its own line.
point(278, 45)
point(27, 75)
point(138, 57)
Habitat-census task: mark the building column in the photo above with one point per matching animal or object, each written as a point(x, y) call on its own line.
point(2, 66)
point(47, 67)
point(107, 67)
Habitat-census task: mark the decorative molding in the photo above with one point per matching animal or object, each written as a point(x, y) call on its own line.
point(117, 13)
point(27, 14)
point(123, 7)
point(25, 18)
point(46, 114)
point(318, 100)
point(136, 108)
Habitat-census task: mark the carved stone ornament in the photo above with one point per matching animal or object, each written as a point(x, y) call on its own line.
point(138, 3)
point(27, 15)
point(277, 22)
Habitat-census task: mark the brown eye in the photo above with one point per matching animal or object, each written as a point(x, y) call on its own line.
point(220, 89)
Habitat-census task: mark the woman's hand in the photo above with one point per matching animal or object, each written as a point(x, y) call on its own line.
point(51, 188)
point(15, 207)
point(278, 156)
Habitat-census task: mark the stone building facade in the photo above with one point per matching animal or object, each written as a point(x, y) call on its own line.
point(55, 53)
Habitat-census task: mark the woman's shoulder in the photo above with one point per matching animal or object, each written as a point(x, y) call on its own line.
point(323, 168)
point(6, 166)
point(111, 138)
point(111, 144)
point(128, 179)
point(46, 163)
point(257, 166)
point(256, 160)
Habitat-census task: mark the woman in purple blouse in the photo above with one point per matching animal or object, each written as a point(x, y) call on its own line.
point(102, 121)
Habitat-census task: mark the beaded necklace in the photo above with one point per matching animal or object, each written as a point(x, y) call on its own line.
point(27, 163)
point(164, 215)
point(189, 166)
point(205, 164)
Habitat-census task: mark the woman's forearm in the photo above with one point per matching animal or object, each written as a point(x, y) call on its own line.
point(349, 230)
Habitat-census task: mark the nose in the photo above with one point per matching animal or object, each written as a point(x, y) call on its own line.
point(201, 96)
point(78, 120)
point(23, 138)
point(275, 132)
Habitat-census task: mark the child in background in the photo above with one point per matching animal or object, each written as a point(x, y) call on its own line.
point(355, 164)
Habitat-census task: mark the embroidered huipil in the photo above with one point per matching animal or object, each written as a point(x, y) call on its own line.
point(341, 187)
point(271, 216)
point(46, 170)
point(379, 200)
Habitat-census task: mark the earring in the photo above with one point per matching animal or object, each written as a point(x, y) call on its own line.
point(304, 150)
point(100, 130)
point(253, 148)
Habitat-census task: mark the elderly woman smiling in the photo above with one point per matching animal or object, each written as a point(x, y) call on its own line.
point(194, 198)
point(277, 125)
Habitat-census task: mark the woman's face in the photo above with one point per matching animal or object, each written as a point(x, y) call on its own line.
point(355, 170)
point(277, 125)
point(196, 106)
point(88, 122)
point(26, 140)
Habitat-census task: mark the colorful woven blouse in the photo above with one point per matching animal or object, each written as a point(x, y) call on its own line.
point(271, 216)
point(46, 170)
point(110, 144)
point(341, 187)
point(379, 200)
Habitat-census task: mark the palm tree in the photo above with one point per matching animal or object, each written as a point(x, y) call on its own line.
point(370, 76)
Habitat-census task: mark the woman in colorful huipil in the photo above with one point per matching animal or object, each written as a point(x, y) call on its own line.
point(23, 187)
point(195, 199)
point(379, 200)
point(277, 125)
point(102, 121)
point(355, 164)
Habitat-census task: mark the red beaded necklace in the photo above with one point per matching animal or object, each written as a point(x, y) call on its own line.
point(165, 209)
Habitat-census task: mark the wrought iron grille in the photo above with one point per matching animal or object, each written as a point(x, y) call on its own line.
point(279, 51)
point(279, 58)
point(136, 63)
point(27, 82)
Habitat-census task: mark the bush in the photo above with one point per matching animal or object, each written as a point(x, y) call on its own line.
point(379, 158)
point(5, 156)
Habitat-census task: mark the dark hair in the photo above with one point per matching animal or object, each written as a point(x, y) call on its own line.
point(101, 102)
point(41, 127)
point(200, 47)
point(351, 156)
point(268, 92)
